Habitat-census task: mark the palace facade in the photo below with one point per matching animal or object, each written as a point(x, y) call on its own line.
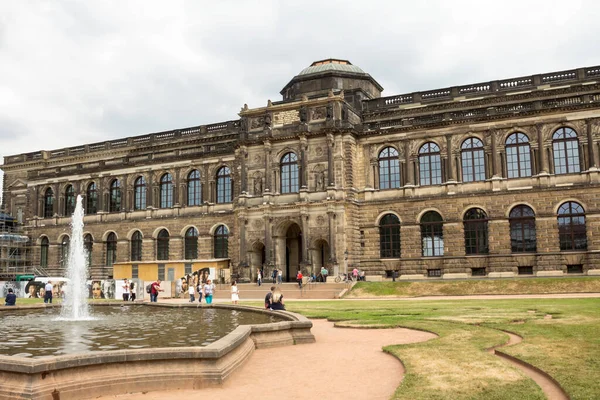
point(493, 179)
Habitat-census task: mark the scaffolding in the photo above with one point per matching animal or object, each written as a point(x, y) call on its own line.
point(15, 249)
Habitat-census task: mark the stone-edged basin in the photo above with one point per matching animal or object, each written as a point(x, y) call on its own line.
point(89, 375)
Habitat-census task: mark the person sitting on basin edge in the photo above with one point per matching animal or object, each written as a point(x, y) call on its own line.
point(11, 298)
point(277, 300)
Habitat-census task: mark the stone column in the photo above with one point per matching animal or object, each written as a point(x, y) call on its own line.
point(494, 154)
point(331, 215)
point(542, 159)
point(330, 166)
point(375, 173)
point(592, 153)
point(242, 222)
point(268, 178)
point(176, 180)
point(451, 175)
point(303, 162)
point(205, 184)
point(268, 240)
point(305, 234)
point(410, 173)
point(212, 187)
point(149, 191)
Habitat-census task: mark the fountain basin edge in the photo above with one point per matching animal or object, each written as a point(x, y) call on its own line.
point(103, 373)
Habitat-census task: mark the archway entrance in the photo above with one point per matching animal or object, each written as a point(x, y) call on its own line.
point(293, 252)
point(257, 259)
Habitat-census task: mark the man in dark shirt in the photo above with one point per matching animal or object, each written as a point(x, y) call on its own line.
point(268, 298)
point(11, 298)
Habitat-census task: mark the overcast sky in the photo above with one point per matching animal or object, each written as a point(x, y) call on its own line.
point(80, 72)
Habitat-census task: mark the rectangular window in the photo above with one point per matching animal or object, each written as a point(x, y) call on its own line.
point(434, 273)
point(134, 271)
point(477, 271)
point(575, 269)
point(161, 272)
point(528, 270)
point(188, 268)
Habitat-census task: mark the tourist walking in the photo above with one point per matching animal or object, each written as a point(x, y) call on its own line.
point(48, 293)
point(324, 273)
point(11, 298)
point(155, 288)
point(258, 277)
point(132, 295)
point(235, 293)
point(277, 300)
point(299, 279)
point(192, 292)
point(268, 298)
point(279, 277)
point(199, 290)
point(126, 290)
point(209, 288)
point(274, 275)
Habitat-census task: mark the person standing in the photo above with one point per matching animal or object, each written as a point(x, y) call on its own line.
point(48, 293)
point(268, 298)
point(125, 290)
point(299, 279)
point(209, 288)
point(324, 274)
point(235, 293)
point(192, 293)
point(11, 298)
point(274, 275)
point(279, 277)
point(199, 290)
point(154, 291)
point(132, 291)
point(258, 277)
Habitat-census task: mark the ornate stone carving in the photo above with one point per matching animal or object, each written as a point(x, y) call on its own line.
point(258, 224)
point(257, 122)
point(318, 113)
point(319, 151)
point(320, 220)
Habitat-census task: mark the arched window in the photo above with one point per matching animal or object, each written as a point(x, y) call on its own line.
point(522, 230)
point(566, 151)
point(91, 199)
point(111, 249)
point(136, 246)
point(191, 244)
point(476, 231)
point(115, 196)
point(69, 200)
point(194, 189)
point(289, 173)
point(432, 234)
point(44, 252)
point(162, 245)
point(139, 194)
point(389, 169)
point(64, 251)
point(88, 244)
point(473, 160)
point(224, 185)
point(166, 191)
point(389, 236)
point(518, 156)
point(571, 226)
point(48, 203)
point(430, 164)
point(221, 242)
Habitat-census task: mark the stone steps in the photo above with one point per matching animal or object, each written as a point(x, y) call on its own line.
point(290, 291)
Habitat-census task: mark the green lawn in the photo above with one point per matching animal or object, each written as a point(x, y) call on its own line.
point(456, 366)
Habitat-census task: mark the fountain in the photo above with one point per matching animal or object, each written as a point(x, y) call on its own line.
point(75, 306)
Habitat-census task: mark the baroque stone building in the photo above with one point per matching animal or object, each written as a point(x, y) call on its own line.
point(494, 179)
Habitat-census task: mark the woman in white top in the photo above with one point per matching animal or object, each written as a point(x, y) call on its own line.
point(192, 292)
point(235, 293)
point(208, 291)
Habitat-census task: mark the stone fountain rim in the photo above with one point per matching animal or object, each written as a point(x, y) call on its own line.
point(213, 351)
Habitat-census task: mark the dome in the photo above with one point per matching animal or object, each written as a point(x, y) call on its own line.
point(331, 64)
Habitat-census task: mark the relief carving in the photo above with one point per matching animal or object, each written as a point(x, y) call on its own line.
point(257, 123)
point(318, 113)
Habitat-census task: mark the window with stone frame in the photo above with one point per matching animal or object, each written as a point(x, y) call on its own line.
point(194, 188)
point(522, 229)
point(221, 242)
point(289, 173)
point(571, 226)
point(111, 249)
point(44, 247)
point(475, 224)
point(162, 245)
point(430, 165)
point(114, 203)
point(472, 160)
point(224, 189)
point(518, 155)
point(69, 201)
point(191, 244)
point(565, 148)
point(48, 203)
point(432, 234)
point(139, 193)
point(136, 246)
point(389, 236)
point(166, 191)
point(91, 195)
point(88, 245)
point(389, 169)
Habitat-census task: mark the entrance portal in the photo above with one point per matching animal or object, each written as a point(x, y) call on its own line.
point(293, 252)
